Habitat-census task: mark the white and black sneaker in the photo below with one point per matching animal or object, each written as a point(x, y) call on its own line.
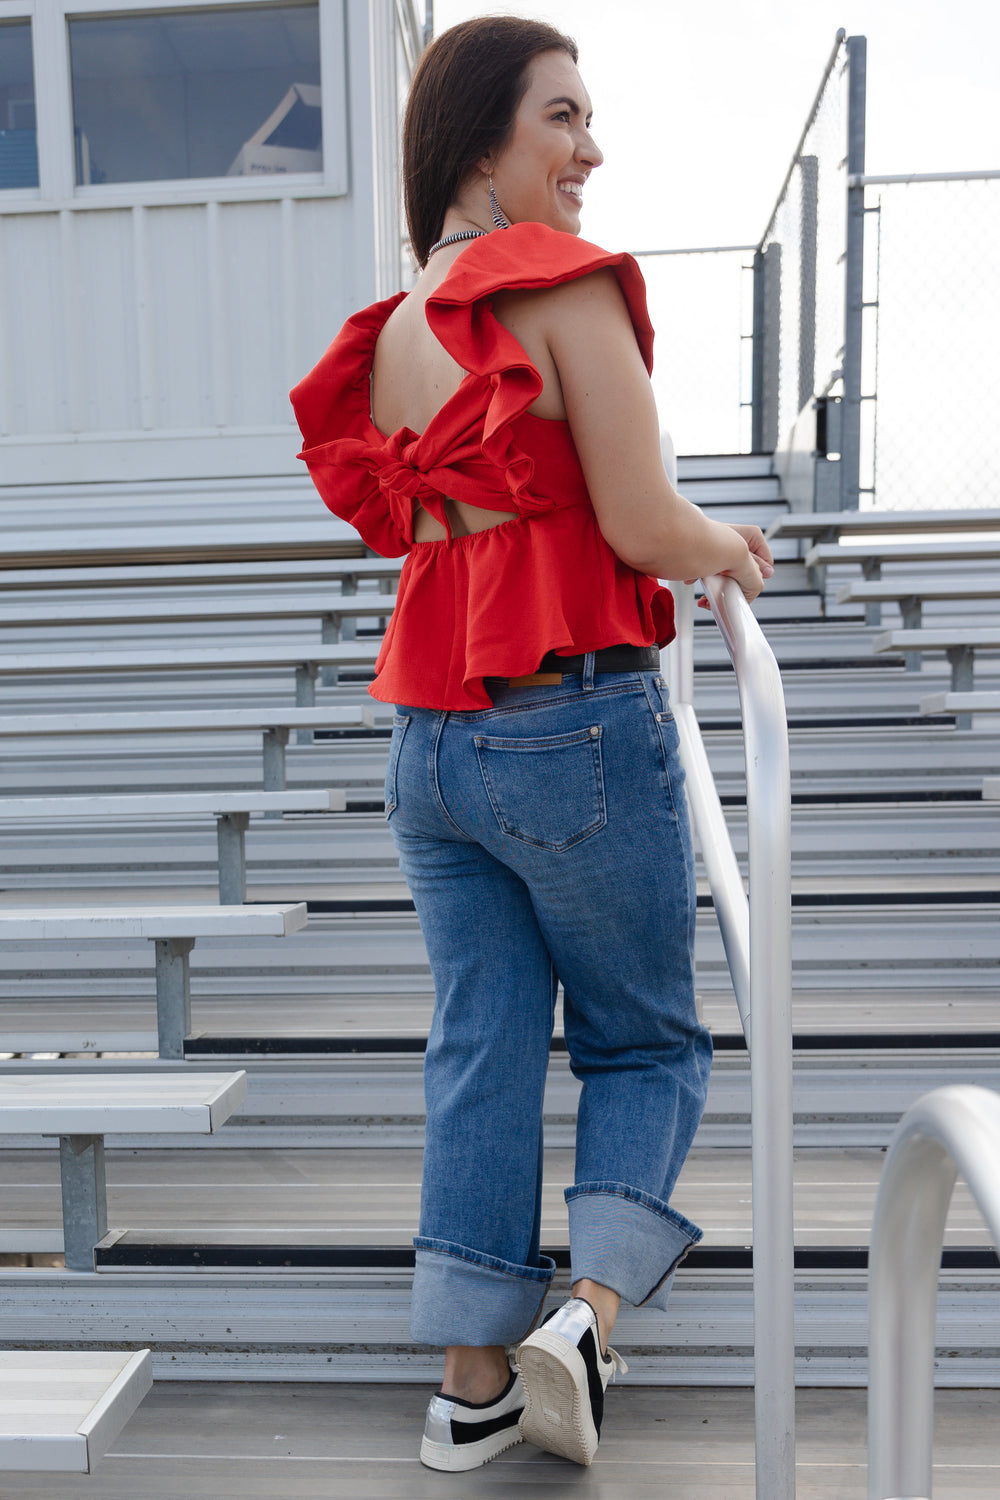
point(565, 1375)
point(462, 1435)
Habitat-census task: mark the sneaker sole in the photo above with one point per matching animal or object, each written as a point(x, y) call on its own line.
point(457, 1457)
point(557, 1415)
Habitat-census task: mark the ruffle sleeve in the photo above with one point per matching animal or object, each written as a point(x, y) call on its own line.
point(342, 449)
point(524, 257)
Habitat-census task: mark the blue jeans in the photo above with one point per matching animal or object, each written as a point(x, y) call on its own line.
point(546, 839)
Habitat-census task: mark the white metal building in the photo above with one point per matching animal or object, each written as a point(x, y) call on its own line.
point(192, 199)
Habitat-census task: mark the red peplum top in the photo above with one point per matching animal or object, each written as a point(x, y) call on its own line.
point(490, 604)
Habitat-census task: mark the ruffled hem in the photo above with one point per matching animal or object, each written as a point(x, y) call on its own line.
point(507, 597)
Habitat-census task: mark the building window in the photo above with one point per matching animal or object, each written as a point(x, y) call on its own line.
point(201, 93)
point(18, 144)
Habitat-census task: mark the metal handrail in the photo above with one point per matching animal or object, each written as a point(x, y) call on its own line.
point(869, 179)
point(952, 1130)
point(756, 934)
point(697, 250)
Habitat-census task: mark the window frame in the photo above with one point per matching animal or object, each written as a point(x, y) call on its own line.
point(24, 10)
point(54, 113)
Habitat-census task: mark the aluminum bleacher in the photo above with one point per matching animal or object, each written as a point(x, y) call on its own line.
point(301, 1210)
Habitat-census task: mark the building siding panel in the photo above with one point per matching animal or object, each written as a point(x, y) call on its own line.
point(104, 282)
point(180, 316)
point(36, 364)
point(251, 276)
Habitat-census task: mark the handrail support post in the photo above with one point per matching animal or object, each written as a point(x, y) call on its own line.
point(758, 947)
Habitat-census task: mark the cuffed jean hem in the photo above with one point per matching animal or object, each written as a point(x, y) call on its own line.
point(461, 1296)
point(627, 1240)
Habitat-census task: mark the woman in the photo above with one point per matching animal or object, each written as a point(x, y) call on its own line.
point(497, 426)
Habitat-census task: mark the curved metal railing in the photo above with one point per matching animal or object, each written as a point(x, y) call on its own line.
point(952, 1130)
point(756, 934)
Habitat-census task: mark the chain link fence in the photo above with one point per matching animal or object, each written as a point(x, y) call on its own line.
point(932, 361)
point(867, 317)
point(723, 392)
point(801, 262)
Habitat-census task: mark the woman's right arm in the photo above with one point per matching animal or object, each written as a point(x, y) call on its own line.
point(612, 415)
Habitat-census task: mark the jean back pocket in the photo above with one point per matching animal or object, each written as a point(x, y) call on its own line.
point(548, 791)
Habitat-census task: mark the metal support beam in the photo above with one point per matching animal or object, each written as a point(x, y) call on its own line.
point(871, 569)
point(912, 612)
point(84, 1198)
point(850, 460)
point(960, 659)
point(332, 630)
point(173, 994)
point(232, 829)
point(275, 742)
point(305, 696)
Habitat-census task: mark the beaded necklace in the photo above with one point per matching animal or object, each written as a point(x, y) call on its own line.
point(453, 239)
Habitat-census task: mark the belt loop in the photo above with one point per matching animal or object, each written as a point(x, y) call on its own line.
point(588, 672)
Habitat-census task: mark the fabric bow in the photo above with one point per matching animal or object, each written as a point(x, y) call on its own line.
point(399, 479)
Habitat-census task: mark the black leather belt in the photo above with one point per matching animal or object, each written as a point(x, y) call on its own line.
point(611, 659)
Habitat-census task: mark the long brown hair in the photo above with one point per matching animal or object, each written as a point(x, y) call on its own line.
point(465, 93)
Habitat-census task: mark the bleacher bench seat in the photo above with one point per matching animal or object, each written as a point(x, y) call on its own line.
point(60, 1410)
point(173, 930)
point(82, 1109)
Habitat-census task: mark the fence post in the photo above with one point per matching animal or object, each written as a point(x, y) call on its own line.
point(808, 227)
point(766, 348)
point(850, 453)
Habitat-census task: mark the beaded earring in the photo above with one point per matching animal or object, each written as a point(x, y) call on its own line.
point(498, 214)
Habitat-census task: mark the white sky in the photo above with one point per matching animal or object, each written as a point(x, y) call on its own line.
point(699, 108)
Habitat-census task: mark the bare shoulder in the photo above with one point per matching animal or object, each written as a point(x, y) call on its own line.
point(590, 295)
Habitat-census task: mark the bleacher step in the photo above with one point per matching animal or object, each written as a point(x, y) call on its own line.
point(361, 1196)
point(351, 1326)
point(340, 1101)
point(338, 897)
point(952, 1007)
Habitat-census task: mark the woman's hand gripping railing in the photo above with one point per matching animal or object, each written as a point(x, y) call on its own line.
point(951, 1130)
point(756, 934)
